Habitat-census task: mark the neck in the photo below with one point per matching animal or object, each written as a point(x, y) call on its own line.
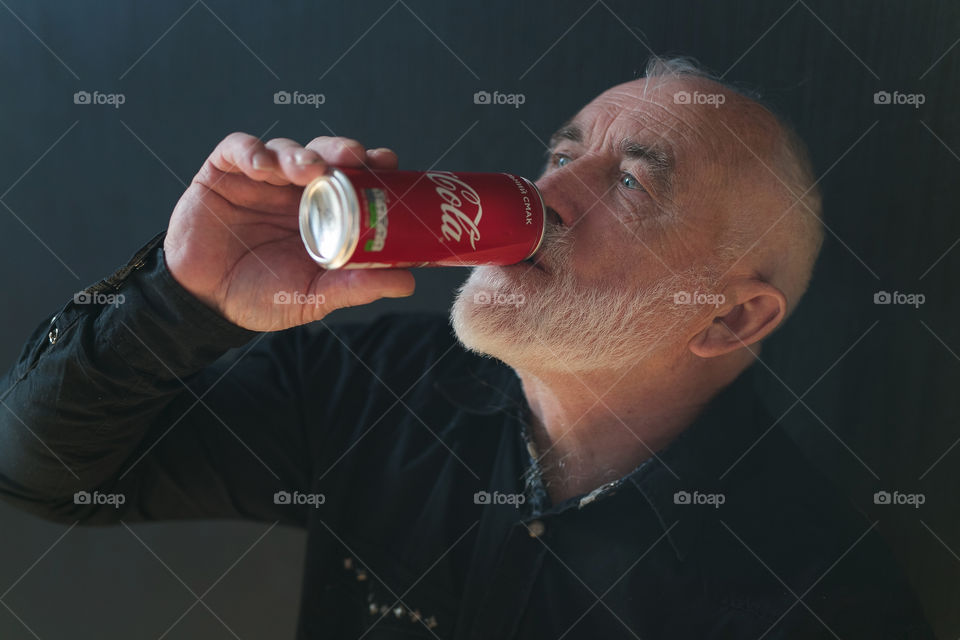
point(596, 426)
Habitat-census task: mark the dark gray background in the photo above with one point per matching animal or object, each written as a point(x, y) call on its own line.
point(83, 186)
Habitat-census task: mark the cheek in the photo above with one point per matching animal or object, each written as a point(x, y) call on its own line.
point(606, 256)
point(609, 253)
point(605, 245)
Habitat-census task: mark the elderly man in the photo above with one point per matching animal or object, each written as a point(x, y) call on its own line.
point(592, 463)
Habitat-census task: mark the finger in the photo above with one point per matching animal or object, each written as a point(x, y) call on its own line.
point(354, 287)
point(256, 196)
point(245, 154)
point(295, 163)
point(382, 158)
point(386, 283)
point(343, 152)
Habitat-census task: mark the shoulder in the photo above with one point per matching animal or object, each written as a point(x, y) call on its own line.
point(415, 352)
point(388, 341)
point(788, 543)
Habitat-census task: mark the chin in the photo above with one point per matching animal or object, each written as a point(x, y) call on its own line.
point(562, 327)
point(483, 318)
point(527, 329)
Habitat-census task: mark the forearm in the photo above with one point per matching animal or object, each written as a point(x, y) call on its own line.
point(88, 386)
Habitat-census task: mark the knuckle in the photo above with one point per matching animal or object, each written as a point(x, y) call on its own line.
point(281, 142)
point(250, 150)
point(237, 137)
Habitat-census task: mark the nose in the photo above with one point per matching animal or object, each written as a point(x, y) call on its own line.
point(565, 193)
point(552, 216)
point(559, 210)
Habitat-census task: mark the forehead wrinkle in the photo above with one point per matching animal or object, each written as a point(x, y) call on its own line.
point(567, 131)
point(647, 117)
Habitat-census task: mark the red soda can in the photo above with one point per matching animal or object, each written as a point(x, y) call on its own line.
point(367, 219)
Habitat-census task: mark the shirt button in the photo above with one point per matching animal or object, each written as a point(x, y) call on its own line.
point(532, 450)
point(536, 528)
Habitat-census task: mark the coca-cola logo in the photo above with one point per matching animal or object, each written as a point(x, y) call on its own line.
point(457, 196)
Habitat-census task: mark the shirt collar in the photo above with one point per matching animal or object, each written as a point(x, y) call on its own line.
point(697, 460)
point(483, 385)
point(696, 463)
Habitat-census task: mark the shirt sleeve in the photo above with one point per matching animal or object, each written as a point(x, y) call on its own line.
point(137, 402)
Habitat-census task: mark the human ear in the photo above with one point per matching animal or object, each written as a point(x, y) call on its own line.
point(751, 310)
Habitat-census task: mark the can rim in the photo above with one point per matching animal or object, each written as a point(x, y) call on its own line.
point(543, 213)
point(338, 207)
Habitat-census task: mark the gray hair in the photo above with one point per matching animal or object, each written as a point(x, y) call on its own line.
point(793, 169)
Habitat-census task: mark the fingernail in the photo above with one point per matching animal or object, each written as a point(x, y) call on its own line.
point(261, 161)
point(303, 157)
point(351, 146)
point(380, 150)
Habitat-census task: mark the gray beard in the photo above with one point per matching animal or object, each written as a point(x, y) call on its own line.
point(552, 322)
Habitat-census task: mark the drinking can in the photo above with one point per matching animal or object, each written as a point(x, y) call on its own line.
point(367, 219)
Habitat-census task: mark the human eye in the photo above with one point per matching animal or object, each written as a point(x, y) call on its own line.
point(559, 160)
point(629, 181)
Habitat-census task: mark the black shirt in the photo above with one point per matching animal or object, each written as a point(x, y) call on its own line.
point(408, 461)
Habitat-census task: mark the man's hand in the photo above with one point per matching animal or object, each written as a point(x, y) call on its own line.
point(234, 237)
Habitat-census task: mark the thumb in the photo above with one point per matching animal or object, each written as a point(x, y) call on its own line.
point(354, 287)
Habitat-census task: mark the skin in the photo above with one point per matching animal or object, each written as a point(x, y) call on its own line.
point(234, 242)
point(593, 427)
point(600, 423)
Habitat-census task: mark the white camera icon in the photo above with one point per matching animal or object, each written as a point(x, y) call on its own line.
point(281, 497)
point(81, 97)
point(881, 97)
point(481, 97)
point(281, 97)
point(681, 97)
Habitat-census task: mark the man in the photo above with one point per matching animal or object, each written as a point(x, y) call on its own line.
point(607, 473)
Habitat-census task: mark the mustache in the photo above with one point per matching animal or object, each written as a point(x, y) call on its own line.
point(557, 246)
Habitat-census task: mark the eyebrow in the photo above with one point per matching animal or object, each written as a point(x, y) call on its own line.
point(568, 131)
point(657, 160)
